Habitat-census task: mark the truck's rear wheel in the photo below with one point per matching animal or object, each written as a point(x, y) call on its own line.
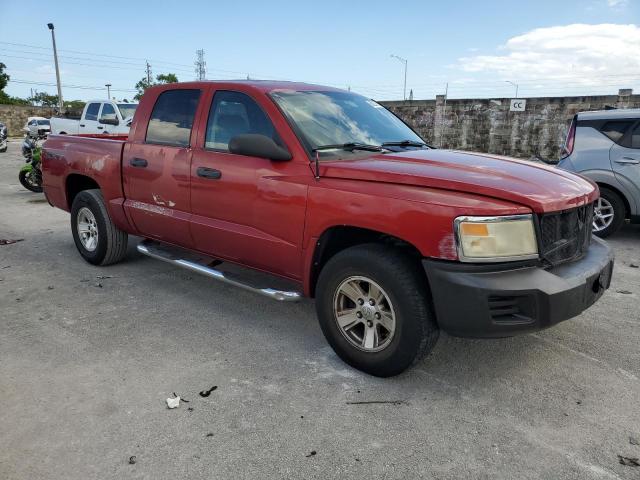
point(97, 239)
point(374, 309)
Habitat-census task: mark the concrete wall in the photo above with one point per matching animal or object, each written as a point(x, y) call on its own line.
point(15, 116)
point(487, 125)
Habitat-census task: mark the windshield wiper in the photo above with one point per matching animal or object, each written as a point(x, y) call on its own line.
point(350, 147)
point(405, 143)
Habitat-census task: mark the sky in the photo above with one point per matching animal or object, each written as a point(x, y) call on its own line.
point(468, 48)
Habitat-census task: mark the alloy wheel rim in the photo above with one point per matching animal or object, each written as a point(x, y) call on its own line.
point(603, 214)
point(364, 314)
point(87, 229)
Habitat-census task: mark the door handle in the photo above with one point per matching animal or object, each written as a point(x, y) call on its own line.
point(138, 162)
point(627, 161)
point(210, 173)
point(100, 128)
point(82, 124)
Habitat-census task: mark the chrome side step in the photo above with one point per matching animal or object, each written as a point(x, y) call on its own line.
point(182, 259)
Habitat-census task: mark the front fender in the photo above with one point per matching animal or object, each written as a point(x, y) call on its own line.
point(27, 168)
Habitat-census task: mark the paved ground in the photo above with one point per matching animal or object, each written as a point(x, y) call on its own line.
point(85, 371)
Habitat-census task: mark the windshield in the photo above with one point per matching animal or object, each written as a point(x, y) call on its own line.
point(127, 109)
point(335, 118)
point(43, 122)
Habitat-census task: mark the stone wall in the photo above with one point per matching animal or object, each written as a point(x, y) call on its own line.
point(15, 117)
point(488, 126)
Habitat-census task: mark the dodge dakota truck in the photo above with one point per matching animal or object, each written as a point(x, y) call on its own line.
point(292, 190)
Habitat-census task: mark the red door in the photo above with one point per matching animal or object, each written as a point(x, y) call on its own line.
point(156, 169)
point(246, 209)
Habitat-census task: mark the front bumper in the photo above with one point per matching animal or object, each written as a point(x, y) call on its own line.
point(501, 301)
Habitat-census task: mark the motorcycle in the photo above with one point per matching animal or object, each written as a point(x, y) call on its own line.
point(3, 138)
point(31, 174)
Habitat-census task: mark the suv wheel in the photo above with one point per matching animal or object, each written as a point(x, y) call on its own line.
point(374, 309)
point(97, 239)
point(609, 213)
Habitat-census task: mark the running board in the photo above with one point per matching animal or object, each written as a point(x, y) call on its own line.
point(189, 261)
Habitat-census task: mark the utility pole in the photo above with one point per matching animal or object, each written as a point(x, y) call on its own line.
point(108, 85)
point(201, 65)
point(55, 60)
point(148, 73)
point(405, 61)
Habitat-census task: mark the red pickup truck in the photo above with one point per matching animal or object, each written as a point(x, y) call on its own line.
point(323, 193)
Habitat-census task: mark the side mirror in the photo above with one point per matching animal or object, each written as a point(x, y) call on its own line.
point(255, 145)
point(109, 121)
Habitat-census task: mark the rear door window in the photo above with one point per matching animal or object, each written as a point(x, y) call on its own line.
point(92, 111)
point(616, 130)
point(234, 113)
point(172, 118)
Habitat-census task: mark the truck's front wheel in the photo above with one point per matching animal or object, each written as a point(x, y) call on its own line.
point(97, 239)
point(374, 309)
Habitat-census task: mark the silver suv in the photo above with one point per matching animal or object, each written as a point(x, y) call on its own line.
point(605, 147)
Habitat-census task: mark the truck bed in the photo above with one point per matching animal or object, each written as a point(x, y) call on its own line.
point(69, 158)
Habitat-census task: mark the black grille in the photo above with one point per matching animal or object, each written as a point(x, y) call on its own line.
point(566, 235)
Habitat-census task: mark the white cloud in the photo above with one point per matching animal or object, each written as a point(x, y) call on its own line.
point(617, 3)
point(583, 53)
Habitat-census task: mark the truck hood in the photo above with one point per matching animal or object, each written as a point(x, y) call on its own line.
point(539, 187)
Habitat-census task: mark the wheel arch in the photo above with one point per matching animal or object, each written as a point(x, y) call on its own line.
point(76, 183)
point(336, 238)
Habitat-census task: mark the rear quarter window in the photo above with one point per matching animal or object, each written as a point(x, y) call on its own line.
point(615, 130)
point(172, 118)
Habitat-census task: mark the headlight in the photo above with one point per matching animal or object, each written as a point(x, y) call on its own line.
point(496, 239)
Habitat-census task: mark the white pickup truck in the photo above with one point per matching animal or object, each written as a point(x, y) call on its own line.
point(98, 116)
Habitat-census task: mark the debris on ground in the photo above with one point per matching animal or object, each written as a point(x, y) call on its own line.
point(190, 409)
point(206, 393)
point(629, 462)
point(50, 287)
point(369, 402)
point(633, 265)
point(173, 402)
point(625, 292)
point(209, 435)
point(311, 453)
point(578, 402)
point(102, 277)
point(132, 460)
point(634, 441)
point(9, 242)
point(99, 285)
point(182, 399)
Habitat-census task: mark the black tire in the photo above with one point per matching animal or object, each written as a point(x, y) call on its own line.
point(27, 182)
point(400, 276)
point(112, 242)
point(619, 212)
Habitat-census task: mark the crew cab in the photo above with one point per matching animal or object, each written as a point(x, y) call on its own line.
point(98, 116)
point(292, 190)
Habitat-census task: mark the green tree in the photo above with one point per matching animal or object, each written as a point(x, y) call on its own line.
point(4, 77)
point(44, 99)
point(162, 78)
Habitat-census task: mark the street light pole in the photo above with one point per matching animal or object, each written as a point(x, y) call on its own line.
point(405, 61)
point(55, 59)
point(515, 85)
point(108, 85)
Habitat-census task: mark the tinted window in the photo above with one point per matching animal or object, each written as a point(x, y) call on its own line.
point(615, 130)
point(234, 113)
point(92, 111)
point(635, 137)
point(172, 117)
point(108, 112)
